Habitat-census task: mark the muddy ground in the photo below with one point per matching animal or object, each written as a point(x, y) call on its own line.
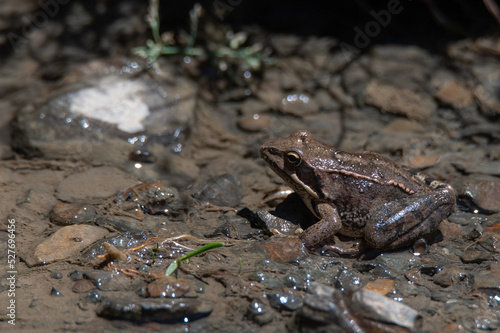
point(113, 166)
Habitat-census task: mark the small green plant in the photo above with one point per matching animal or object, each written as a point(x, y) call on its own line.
point(165, 44)
point(175, 264)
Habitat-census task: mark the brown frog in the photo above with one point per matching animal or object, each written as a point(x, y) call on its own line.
point(359, 194)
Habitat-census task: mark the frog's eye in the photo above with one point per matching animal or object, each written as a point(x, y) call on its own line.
point(293, 158)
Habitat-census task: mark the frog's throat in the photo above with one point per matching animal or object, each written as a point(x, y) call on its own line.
point(304, 186)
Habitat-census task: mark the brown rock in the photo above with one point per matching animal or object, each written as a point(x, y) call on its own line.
point(449, 276)
point(67, 242)
point(454, 94)
point(83, 286)
point(399, 101)
point(254, 123)
point(68, 213)
point(381, 286)
point(167, 286)
point(482, 190)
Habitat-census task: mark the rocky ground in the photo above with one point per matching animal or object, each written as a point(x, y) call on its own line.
point(112, 166)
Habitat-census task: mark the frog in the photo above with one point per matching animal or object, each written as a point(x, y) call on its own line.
point(363, 195)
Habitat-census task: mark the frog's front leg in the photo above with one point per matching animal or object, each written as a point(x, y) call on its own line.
point(399, 222)
point(326, 227)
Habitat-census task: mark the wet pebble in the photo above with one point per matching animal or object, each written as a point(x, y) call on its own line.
point(381, 286)
point(370, 304)
point(346, 279)
point(76, 275)
point(68, 241)
point(165, 310)
point(142, 156)
point(482, 191)
point(167, 286)
point(224, 190)
point(95, 183)
point(443, 296)
point(485, 319)
point(284, 301)
point(254, 123)
point(55, 292)
point(449, 276)
point(153, 197)
point(271, 223)
point(83, 286)
point(299, 104)
point(393, 265)
point(325, 307)
point(267, 280)
point(72, 213)
point(488, 281)
point(472, 255)
point(109, 281)
point(259, 313)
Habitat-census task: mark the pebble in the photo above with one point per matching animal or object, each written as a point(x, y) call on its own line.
point(55, 292)
point(399, 101)
point(284, 301)
point(167, 286)
point(224, 190)
point(56, 275)
point(483, 191)
point(259, 313)
point(299, 104)
point(67, 242)
point(274, 224)
point(95, 183)
point(165, 310)
point(109, 281)
point(254, 123)
point(83, 286)
point(381, 286)
point(471, 255)
point(325, 306)
point(267, 280)
point(455, 94)
point(449, 276)
point(76, 275)
point(72, 213)
point(153, 197)
point(488, 75)
point(370, 304)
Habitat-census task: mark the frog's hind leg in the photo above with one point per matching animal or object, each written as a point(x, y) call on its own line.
point(398, 223)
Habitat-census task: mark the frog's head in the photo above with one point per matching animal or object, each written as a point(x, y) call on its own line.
point(290, 158)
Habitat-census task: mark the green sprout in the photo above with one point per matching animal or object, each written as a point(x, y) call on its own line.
point(152, 254)
point(175, 264)
point(164, 44)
